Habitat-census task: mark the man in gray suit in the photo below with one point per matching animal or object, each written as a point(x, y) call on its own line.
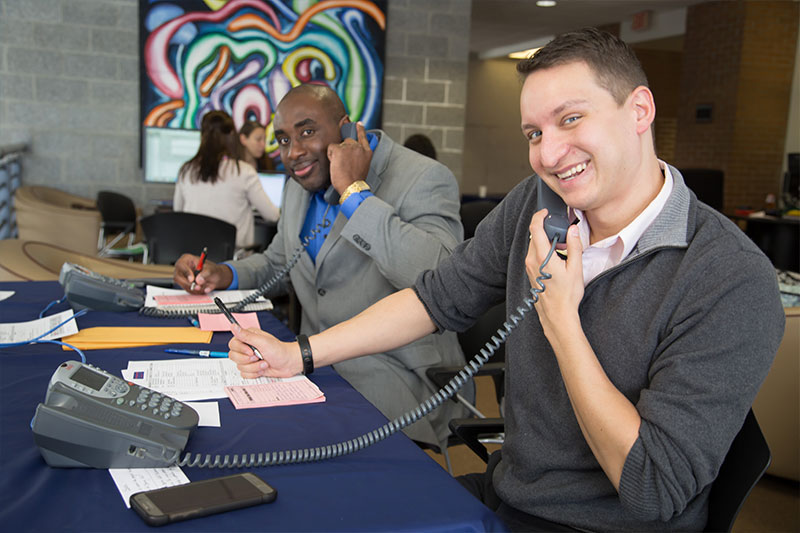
point(397, 216)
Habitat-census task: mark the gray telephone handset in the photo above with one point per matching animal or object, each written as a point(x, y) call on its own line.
point(93, 419)
point(349, 131)
point(556, 223)
point(84, 288)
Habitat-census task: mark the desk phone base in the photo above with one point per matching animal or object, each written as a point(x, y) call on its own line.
point(93, 419)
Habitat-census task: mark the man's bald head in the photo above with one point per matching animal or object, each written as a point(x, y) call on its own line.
point(326, 97)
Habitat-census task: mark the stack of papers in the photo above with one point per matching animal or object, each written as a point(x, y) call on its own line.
point(179, 299)
point(205, 379)
point(289, 391)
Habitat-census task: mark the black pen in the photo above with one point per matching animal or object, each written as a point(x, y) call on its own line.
point(232, 320)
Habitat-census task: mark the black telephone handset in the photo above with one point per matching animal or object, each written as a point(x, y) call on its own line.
point(556, 222)
point(349, 131)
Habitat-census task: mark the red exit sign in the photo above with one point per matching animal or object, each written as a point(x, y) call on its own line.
point(641, 20)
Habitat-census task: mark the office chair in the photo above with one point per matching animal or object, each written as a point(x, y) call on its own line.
point(744, 465)
point(169, 235)
point(118, 214)
point(472, 213)
point(472, 341)
point(707, 183)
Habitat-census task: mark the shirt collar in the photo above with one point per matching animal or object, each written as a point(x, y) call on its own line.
point(630, 234)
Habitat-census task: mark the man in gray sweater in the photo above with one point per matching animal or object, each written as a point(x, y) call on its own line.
point(627, 385)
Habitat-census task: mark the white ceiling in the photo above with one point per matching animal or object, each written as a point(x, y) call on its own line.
point(496, 24)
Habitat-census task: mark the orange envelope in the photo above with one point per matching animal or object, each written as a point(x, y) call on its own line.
point(101, 338)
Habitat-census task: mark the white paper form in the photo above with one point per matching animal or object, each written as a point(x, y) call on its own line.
point(208, 413)
point(5, 295)
point(129, 481)
point(189, 379)
point(25, 331)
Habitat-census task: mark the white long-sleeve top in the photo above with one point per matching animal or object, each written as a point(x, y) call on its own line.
point(231, 198)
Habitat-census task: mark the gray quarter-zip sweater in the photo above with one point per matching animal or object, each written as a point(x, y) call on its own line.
point(686, 327)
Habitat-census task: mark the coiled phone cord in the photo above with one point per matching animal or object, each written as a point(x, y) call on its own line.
point(353, 445)
point(257, 293)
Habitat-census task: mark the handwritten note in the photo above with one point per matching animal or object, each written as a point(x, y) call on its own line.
point(129, 481)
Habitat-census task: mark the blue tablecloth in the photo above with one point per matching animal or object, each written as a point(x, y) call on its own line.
point(392, 485)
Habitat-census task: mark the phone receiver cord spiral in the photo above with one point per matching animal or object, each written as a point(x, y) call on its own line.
point(347, 447)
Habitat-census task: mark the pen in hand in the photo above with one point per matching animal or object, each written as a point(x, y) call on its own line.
point(233, 320)
point(199, 266)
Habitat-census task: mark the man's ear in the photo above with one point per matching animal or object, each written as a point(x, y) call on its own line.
point(644, 108)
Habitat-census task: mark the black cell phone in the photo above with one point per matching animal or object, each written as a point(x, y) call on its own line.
point(201, 498)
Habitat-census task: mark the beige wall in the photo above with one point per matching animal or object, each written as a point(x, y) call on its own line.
point(495, 152)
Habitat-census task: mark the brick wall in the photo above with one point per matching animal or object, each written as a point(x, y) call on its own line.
point(69, 85)
point(738, 57)
point(426, 74)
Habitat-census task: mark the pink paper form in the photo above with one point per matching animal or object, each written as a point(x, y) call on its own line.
point(288, 391)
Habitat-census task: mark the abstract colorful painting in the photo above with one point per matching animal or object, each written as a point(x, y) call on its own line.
point(242, 56)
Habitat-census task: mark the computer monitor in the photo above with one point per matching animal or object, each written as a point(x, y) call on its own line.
point(791, 180)
point(165, 150)
point(272, 183)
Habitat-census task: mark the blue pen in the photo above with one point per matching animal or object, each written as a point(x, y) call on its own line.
point(193, 321)
point(201, 353)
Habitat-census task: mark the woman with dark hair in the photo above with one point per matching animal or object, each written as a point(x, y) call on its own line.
point(421, 144)
point(216, 182)
point(253, 137)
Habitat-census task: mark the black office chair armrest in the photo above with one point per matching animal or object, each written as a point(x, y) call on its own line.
point(469, 430)
point(441, 375)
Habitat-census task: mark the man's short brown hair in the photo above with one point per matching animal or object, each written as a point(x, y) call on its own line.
point(615, 65)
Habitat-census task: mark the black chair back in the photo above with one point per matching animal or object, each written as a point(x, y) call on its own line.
point(476, 337)
point(745, 463)
point(707, 183)
point(117, 211)
point(169, 235)
point(472, 213)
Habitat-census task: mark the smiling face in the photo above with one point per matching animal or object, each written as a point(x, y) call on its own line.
point(588, 148)
point(305, 125)
point(255, 142)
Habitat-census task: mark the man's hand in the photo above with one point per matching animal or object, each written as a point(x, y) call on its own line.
point(558, 304)
point(213, 276)
point(281, 359)
point(349, 160)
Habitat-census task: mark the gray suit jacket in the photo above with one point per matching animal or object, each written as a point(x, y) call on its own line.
point(410, 225)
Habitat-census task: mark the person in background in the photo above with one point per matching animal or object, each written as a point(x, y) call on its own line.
point(253, 137)
point(630, 377)
point(421, 144)
point(395, 214)
point(216, 182)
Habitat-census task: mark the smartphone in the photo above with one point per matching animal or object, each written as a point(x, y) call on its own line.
point(201, 498)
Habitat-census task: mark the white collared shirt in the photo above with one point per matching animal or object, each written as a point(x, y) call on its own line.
point(609, 252)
